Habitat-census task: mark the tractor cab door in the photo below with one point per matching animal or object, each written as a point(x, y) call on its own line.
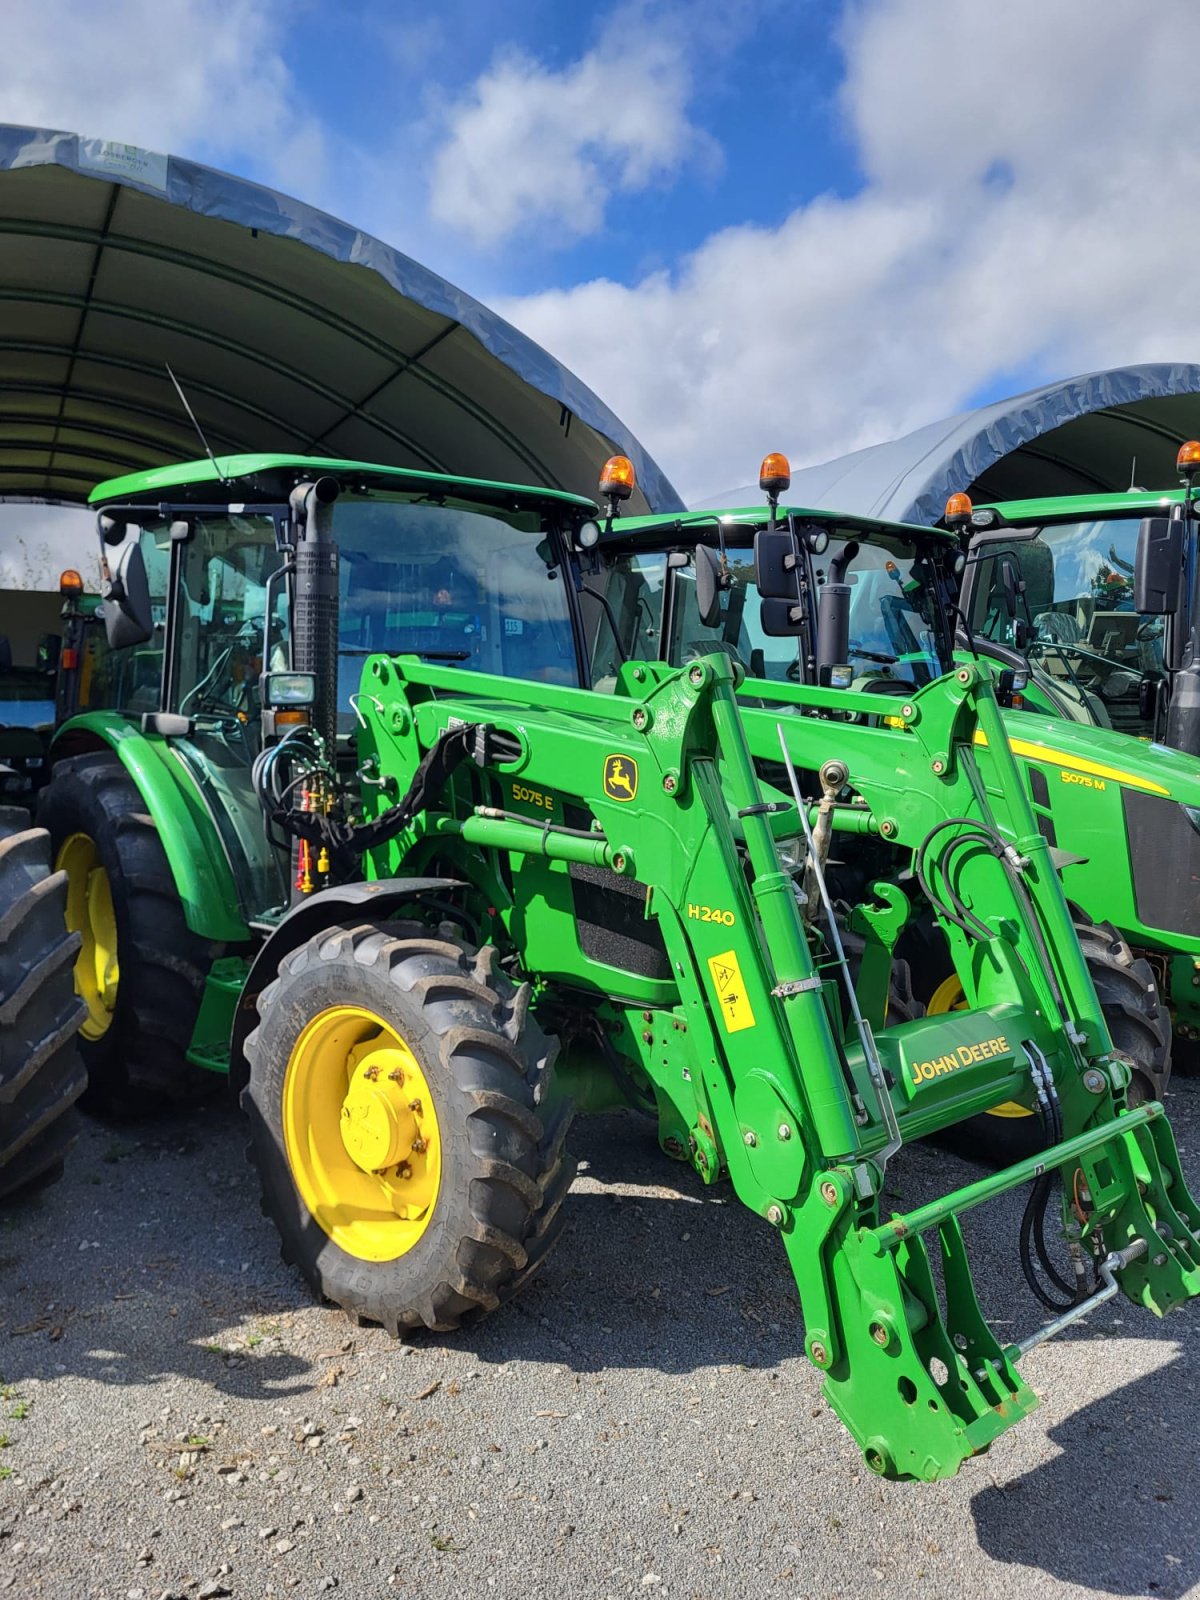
point(217, 618)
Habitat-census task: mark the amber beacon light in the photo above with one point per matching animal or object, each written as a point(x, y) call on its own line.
point(775, 474)
point(958, 510)
point(618, 479)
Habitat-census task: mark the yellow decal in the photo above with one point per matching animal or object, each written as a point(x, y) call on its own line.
point(711, 914)
point(1083, 780)
point(532, 797)
point(965, 1056)
point(731, 991)
point(1095, 769)
point(620, 777)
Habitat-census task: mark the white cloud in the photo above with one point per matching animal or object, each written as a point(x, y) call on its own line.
point(529, 146)
point(203, 78)
point(1031, 200)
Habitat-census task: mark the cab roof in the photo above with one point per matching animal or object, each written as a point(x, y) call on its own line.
point(271, 477)
point(1073, 507)
point(754, 517)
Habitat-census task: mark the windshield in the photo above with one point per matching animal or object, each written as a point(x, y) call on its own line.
point(1077, 607)
point(477, 589)
point(893, 635)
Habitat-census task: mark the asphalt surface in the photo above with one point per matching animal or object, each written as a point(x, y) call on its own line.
point(640, 1423)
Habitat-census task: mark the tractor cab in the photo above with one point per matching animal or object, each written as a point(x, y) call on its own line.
point(210, 635)
point(793, 595)
point(1050, 586)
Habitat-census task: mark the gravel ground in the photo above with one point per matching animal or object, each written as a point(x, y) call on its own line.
point(179, 1418)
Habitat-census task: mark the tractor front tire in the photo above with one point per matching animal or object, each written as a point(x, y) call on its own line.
point(399, 1124)
point(140, 970)
point(1140, 1026)
point(41, 1075)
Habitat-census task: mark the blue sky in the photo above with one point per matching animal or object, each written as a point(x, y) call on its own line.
point(748, 224)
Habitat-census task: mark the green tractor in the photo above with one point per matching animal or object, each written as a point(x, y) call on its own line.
point(1086, 606)
point(799, 597)
point(378, 813)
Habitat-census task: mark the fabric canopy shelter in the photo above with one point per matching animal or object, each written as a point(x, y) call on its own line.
point(289, 331)
point(1102, 431)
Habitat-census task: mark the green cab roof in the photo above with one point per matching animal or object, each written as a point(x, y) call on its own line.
point(1074, 507)
point(751, 518)
point(272, 476)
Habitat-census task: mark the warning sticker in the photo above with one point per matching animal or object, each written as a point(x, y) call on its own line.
point(731, 992)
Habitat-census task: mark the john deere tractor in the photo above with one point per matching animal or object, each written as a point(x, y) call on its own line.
point(1087, 606)
point(799, 597)
point(380, 815)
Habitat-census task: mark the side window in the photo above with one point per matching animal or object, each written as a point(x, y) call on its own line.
point(128, 680)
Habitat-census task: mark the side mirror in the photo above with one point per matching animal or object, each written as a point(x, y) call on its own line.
point(128, 615)
point(781, 619)
point(1158, 566)
point(775, 565)
point(708, 586)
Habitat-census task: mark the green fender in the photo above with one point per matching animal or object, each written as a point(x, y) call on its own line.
point(197, 860)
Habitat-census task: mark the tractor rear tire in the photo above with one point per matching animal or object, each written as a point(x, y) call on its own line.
point(41, 1075)
point(1140, 1026)
point(459, 1202)
point(141, 1015)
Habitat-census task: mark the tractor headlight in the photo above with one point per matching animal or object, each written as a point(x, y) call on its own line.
point(289, 688)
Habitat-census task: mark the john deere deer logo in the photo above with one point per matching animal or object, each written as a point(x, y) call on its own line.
point(620, 777)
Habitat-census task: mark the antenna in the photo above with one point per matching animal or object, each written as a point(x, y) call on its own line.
point(1133, 483)
point(195, 424)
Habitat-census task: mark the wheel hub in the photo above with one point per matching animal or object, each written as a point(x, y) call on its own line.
point(90, 914)
point(378, 1123)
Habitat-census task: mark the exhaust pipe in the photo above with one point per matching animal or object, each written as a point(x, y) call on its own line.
point(315, 618)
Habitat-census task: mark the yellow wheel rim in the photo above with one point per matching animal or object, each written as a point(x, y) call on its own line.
point(949, 996)
point(361, 1133)
point(90, 914)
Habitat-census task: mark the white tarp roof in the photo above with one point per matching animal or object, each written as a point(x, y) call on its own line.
point(1074, 437)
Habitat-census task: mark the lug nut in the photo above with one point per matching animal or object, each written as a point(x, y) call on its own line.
point(415, 1107)
point(395, 1076)
point(419, 1145)
point(372, 1073)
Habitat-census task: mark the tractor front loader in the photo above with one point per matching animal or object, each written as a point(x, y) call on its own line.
point(436, 876)
point(736, 1016)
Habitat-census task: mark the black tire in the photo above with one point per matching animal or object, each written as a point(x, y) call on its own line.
point(504, 1168)
point(1138, 1021)
point(140, 1061)
point(41, 1075)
